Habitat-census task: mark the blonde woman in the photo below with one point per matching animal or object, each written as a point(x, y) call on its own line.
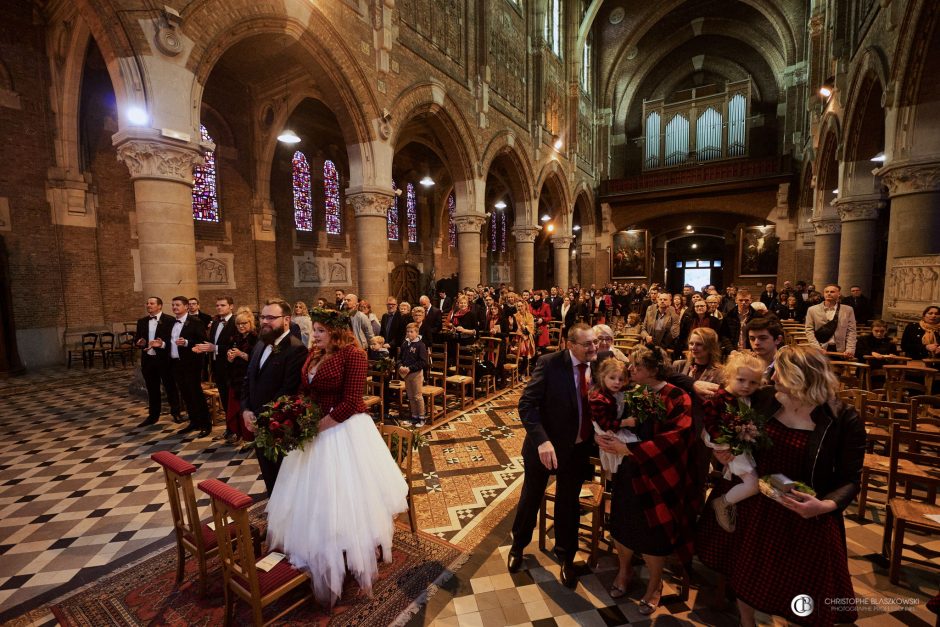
point(301, 318)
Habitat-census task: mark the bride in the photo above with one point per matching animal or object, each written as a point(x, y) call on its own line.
point(334, 501)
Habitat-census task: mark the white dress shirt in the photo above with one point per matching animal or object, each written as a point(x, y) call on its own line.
point(175, 335)
point(582, 411)
point(152, 332)
point(270, 347)
point(221, 325)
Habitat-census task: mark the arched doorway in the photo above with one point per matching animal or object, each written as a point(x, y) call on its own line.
point(406, 283)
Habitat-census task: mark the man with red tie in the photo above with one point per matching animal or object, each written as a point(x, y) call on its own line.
point(559, 439)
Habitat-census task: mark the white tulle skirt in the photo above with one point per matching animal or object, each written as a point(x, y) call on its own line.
point(337, 497)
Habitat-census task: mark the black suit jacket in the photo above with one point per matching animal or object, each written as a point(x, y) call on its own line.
point(548, 408)
point(194, 332)
point(164, 326)
point(392, 328)
point(444, 304)
point(554, 302)
point(435, 321)
point(279, 376)
point(769, 299)
point(224, 342)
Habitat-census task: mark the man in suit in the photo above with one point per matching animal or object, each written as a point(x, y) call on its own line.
point(732, 330)
point(559, 438)
point(392, 325)
point(554, 302)
point(859, 303)
point(196, 311)
point(443, 301)
point(661, 325)
point(844, 339)
point(186, 334)
point(769, 296)
point(341, 300)
point(153, 338)
point(358, 321)
point(273, 371)
point(434, 317)
point(221, 332)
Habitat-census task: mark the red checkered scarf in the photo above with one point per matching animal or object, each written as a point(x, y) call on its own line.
point(662, 485)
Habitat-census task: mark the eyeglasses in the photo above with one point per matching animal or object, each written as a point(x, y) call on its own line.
point(605, 338)
point(588, 344)
point(269, 318)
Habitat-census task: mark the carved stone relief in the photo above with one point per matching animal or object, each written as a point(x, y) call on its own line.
point(912, 285)
point(152, 160)
point(215, 270)
point(312, 271)
point(525, 233)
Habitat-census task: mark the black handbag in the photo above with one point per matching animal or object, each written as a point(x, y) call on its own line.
point(825, 332)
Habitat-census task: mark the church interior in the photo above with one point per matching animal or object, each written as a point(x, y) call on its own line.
point(255, 149)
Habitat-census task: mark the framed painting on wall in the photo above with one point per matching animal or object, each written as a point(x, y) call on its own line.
point(629, 255)
point(758, 250)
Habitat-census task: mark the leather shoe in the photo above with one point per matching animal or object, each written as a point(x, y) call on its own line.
point(147, 422)
point(204, 432)
point(178, 419)
point(569, 575)
point(188, 428)
point(514, 563)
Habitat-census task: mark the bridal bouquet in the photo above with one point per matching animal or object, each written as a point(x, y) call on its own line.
point(741, 431)
point(643, 404)
point(287, 423)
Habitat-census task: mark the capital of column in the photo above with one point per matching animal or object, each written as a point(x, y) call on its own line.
point(562, 242)
point(525, 233)
point(148, 156)
point(373, 204)
point(827, 227)
point(910, 178)
point(469, 223)
point(856, 210)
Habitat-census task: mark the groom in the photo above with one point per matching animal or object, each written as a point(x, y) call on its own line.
point(273, 371)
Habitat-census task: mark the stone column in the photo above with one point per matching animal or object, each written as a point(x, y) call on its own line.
point(469, 228)
point(914, 189)
point(525, 256)
point(562, 246)
point(371, 209)
point(162, 172)
point(859, 240)
point(826, 258)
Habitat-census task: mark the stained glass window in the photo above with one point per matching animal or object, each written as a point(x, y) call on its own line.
point(303, 206)
point(411, 210)
point(205, 191)
point(498, 232)
point(452, 219)
point(331, 198)
point(393, 217)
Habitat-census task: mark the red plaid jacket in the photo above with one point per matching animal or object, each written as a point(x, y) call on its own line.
point(339, 382)
point(715, 412)
point(604, 410)
point(662, 484)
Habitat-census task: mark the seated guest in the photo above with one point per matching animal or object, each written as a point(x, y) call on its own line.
point(633, 325)
point(876, 344)
point(920, 341)
point(791, 311)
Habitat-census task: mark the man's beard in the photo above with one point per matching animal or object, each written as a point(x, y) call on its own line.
point(269, 334)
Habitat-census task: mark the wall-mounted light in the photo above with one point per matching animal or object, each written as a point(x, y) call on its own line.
point(688, 227)
point(500, 204)
point(546, 218)
point(694, 246)
point(427, 181)
point(550, 227)
point(829, 86)
point(576, 227)
point(880, 157)
point(836, 191)
point(137, 116)
point(288, 136)
point(558, 143)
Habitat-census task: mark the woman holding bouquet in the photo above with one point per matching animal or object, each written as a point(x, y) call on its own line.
point(801, 537)
point(652, 491)
point(335, 500)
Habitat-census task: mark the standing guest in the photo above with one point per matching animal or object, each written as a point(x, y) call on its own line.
point(221, 332)
point(153, 339)
point(713, 301)
point(859, 303)
point(599, 307)
point(412, 362)
point(567, 314)
point(765, 336)
point(769, 295)
point(583, 313)
point(186, 364)
point(922, 340)
point(206, 320)
point(366, 308)
point(554, 302)
point(679, 305)
point(420, 318)
point(321, 303)
point(393, 325)
point(434, 318)
point(522, 322)
point(821, 442)
point(652, 489)
point(703, 359)
point(443, 302)
point(697, 318)
point(341, 300)
point(241, 347)
point(359, 324)
point(605, 343)
point(661, 325)
point(830, 325)
point(463, 325)
point(555, 412)
point(734, 322)
point(273, 371)
point(301, 318)
point(542, 313)
point(729, 300)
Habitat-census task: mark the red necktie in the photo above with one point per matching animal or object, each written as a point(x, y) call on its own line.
point(584, 432)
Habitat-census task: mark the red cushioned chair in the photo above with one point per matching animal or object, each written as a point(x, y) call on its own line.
point(192, 535)
point(256, 587)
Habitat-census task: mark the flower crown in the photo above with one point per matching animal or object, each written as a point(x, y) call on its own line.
point(331, 318)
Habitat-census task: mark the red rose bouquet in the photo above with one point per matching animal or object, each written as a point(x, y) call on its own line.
point(643, 403)
point(287, 423)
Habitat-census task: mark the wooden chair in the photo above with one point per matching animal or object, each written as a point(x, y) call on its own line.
point(855, 397)
point(102, 349)
point(902, 381)
point(123, 349)
point(554, 338)
point(492, 346)
point(83, 349)
point(879, 415)
point(903, 514)
point(852, 374)
point(400, 444)
point(465, 377)
point(437, 373)
point(511, 366)
point(374, 395)
point(241, 575)
point(925, 414)
point(192, 535)
point(592, 501)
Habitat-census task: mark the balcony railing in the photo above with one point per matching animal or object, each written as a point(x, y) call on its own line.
point(701, 174)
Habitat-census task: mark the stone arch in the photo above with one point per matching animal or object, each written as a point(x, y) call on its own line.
point(503, 145)
point(553, 175)
point(826, 171)
point(449, 124)
point(584, 201)
point(915, 30)
point(871, 72)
